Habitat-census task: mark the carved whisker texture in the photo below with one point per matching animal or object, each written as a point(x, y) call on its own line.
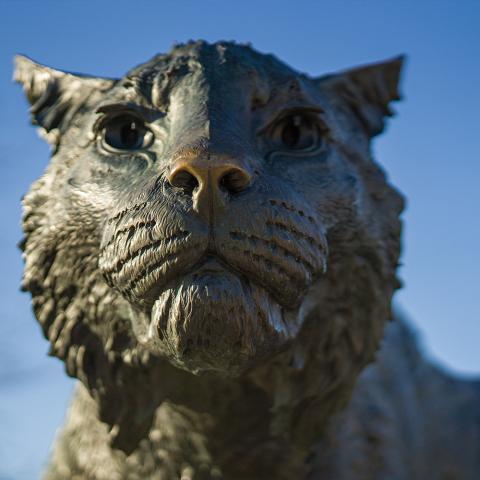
point(130, 230)
point(291, 208)
point(302, 235)
point(151, 249)
point(274, 247)
point(269, 263)
point(128, 211)
point(152, 268)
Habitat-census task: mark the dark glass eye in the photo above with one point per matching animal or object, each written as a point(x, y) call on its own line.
point(298, 132)
point(126, 132)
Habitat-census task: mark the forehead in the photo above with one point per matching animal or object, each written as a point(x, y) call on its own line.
point(212, 70)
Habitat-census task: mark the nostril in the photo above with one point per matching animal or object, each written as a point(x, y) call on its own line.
point(235, 180)
point(184, 180)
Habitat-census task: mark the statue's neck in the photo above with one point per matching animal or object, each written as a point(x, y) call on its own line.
point(232, 425)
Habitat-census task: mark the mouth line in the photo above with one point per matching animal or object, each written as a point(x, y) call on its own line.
point(212, 262)
point(196, 258)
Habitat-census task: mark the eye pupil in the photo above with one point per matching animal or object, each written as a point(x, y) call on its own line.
point(291, 133)
point(129, 135)
point(297, 133)
point(125, 132)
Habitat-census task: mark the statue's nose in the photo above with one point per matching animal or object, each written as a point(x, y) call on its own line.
point(209, 178)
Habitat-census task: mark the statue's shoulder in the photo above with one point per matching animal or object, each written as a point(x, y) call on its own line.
point(407, 419)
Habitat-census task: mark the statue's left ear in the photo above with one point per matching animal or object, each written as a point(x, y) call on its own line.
point(55, 96)
point(368, 91)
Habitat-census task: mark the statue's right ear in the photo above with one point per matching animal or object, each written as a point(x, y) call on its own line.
point(368, 91)
point(55, 96)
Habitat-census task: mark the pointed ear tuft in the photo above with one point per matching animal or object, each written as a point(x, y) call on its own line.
point(33, 76)
point(368, 90)
point(55, 96)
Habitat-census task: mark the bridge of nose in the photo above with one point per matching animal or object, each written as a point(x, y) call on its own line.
point(210, 140)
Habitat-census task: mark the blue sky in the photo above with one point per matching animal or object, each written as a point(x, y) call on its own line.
point(430, 150)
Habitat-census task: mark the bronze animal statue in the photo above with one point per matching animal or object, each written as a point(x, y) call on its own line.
point(212, 253)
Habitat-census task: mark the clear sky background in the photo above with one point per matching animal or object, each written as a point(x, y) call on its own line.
point(430, 150)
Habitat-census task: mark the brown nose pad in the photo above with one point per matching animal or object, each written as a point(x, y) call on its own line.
point(183, 179)
point(232, 180)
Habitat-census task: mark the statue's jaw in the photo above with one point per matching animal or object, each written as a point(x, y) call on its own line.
point(215, 320)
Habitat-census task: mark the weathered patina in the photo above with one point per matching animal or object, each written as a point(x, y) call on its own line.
point(212, 253)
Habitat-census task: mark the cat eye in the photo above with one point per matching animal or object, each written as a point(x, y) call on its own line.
point(297, 133)
point(126, 132)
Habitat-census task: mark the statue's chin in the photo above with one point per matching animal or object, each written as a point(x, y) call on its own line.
point(212, 320)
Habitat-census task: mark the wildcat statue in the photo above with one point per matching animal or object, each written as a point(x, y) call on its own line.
point(212, 252)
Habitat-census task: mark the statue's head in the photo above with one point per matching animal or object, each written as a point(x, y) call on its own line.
point(214, 208)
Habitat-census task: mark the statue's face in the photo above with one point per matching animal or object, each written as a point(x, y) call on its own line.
point(228, 197)
point(216, 223)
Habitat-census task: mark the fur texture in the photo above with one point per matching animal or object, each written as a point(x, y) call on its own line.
point(212, 252)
